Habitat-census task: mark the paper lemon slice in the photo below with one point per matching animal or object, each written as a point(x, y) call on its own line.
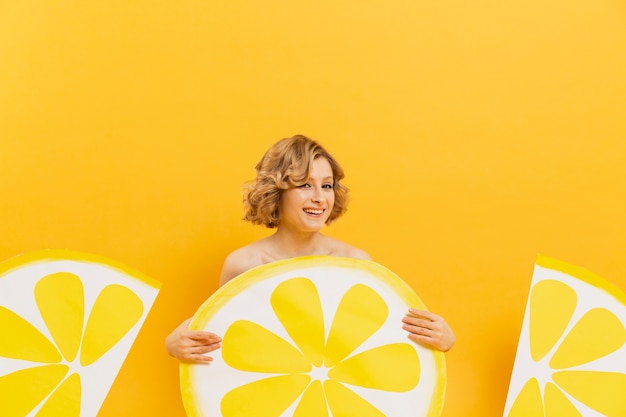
point(67, 321)
point(313, 336)
point(571, 358)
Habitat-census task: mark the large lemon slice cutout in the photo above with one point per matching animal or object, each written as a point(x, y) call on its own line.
point(571, 357)
point(313, 337)
point(67, 322)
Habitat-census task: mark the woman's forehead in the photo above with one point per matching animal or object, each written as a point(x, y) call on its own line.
point(320, 168)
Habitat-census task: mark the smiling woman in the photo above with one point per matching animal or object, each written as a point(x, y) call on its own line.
point(297, 191)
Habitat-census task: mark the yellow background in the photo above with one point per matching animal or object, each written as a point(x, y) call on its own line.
point(475, 135)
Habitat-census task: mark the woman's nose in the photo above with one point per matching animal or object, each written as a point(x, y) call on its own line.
point(318, 196)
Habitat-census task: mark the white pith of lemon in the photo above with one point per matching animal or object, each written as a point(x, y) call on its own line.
point(68, 321)
point(571, 357)
point(313, 336)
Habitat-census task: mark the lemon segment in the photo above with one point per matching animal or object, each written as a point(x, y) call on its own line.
point(528, 403)
point(115, 311)
point(60, 299)
point(360, 314)
point(557, 403)
point(393, 367)
point(312, 403)
point(297, 306)
point(551, 306)
point(270, 354)
point(64, 401)
point(23, 390)
point(597, 334)
point(600, 391)
point(346, 403)
point(21, 340)
point(258, 398)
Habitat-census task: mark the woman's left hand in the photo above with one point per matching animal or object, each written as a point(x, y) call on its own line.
point(428, 329)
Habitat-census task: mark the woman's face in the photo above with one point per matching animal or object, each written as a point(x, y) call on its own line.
point(307, 206)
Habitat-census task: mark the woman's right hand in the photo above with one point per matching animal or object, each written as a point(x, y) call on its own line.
point(191, 345)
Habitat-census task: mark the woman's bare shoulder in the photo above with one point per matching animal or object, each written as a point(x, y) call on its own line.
point(239, 261)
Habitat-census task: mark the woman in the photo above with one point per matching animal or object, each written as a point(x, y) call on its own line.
point(297, 191)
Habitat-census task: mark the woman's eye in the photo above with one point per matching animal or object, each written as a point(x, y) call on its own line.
point(327, 186)
point(303, 186)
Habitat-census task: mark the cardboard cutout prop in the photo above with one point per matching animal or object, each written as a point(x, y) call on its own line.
point(571, 357)
point(313, 336)
point(67, 322)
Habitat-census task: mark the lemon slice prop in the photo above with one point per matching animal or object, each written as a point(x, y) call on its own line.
point(67, 322)
point(571, 357)
point(313, 337)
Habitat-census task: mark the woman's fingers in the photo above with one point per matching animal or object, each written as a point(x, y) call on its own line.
point(428, 329)
point(191, 345)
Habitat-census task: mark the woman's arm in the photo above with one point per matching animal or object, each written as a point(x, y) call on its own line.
point(193, 345)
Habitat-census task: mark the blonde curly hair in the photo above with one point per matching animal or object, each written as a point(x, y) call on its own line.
point(287, 164)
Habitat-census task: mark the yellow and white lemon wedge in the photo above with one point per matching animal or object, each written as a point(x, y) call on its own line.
point(313, 337)
point(571, 357)
point(67, 322)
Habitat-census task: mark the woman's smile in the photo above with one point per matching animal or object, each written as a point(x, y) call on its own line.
point(314, 212)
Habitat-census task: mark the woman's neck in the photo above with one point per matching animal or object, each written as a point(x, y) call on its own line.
point(287, 244)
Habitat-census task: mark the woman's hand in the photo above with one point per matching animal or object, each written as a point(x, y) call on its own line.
point(428, 329)
point(191, 345)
